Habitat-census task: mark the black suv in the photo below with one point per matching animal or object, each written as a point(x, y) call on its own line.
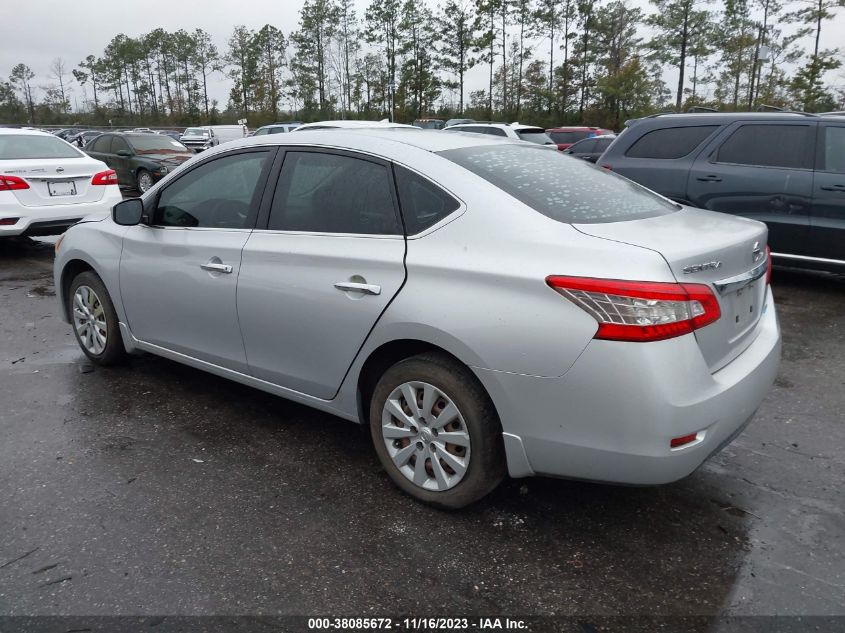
point(786, 169)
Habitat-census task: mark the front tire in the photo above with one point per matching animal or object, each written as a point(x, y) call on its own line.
point(94, 320)
point(143, 180)
point(436, 431)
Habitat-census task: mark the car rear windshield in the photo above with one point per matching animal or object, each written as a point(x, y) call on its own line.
point(570, 137)
point(538, 136)
point(31, 146)
point(558, 186)
point(157, 144)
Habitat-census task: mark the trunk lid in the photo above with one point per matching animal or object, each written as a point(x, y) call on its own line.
point(56, 181)
point(723, 251)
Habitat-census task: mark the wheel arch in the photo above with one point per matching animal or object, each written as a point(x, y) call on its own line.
point(70, 270)
point(388, 354)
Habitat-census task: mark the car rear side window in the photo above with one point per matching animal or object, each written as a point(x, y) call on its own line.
point(330, 193)
point(834, 149)
point(558, 187)
point(423, 203)
point(218, 194)
point(765, 145)
point(671, 142)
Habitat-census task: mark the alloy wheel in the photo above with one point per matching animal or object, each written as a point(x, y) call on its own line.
point(426, 436)
point(145, 181)
point(89, 319)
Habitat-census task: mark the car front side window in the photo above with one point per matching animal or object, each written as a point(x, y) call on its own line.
point(217, 194)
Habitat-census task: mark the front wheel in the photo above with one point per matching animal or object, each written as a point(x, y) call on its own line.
point(143, 180)
point(436, 432)
point(94, 319)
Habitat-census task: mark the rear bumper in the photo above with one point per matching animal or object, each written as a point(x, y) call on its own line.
point(55, 219)
point(612, 416)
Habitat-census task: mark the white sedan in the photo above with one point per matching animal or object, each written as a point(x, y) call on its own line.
point(46, 184)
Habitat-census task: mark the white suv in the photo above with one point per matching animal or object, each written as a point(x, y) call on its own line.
point(518, 131)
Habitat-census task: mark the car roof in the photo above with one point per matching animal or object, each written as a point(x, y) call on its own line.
point(504, 126)
point(353, 124)
point(374, 140)
point(719, 118)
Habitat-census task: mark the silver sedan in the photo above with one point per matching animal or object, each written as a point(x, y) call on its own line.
point(486, 307)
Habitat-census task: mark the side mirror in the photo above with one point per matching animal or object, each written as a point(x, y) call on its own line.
point(124, 152)
point(128, 212)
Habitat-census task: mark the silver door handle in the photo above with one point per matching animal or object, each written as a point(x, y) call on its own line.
point(216, 268)
point(370, 289)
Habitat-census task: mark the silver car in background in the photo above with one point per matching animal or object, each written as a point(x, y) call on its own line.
point(485, 306)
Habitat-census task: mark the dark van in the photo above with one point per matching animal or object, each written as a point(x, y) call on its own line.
point(783, 168)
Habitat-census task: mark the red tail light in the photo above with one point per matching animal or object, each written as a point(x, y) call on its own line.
point(8, 221)
point(769, 267)
point(105, 178)
point(12, 183)
point(640, 310)
point(606, 166)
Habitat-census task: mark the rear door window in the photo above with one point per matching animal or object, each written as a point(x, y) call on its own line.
point(100, 144)
point(768, 145)
point(559, 187)
point(672, 142)
point(833, 150)
point(118, 144)
point(332, 193)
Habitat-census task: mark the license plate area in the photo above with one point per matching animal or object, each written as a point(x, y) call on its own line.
point(745, 305)
point(58, 188)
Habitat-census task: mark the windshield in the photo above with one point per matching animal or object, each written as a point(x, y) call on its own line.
point(570, 137)
point(195, 131)
point(157, 144)
point(538, 136)
point(558, 186)
point(31, 146)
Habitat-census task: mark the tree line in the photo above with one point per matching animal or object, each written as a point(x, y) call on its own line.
point(549, 62)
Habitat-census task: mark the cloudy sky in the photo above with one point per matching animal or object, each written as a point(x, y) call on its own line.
point(37, 31)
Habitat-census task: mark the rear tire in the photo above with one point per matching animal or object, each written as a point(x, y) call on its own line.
point(143, 180)
point(94, 320)
point(446, 448)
